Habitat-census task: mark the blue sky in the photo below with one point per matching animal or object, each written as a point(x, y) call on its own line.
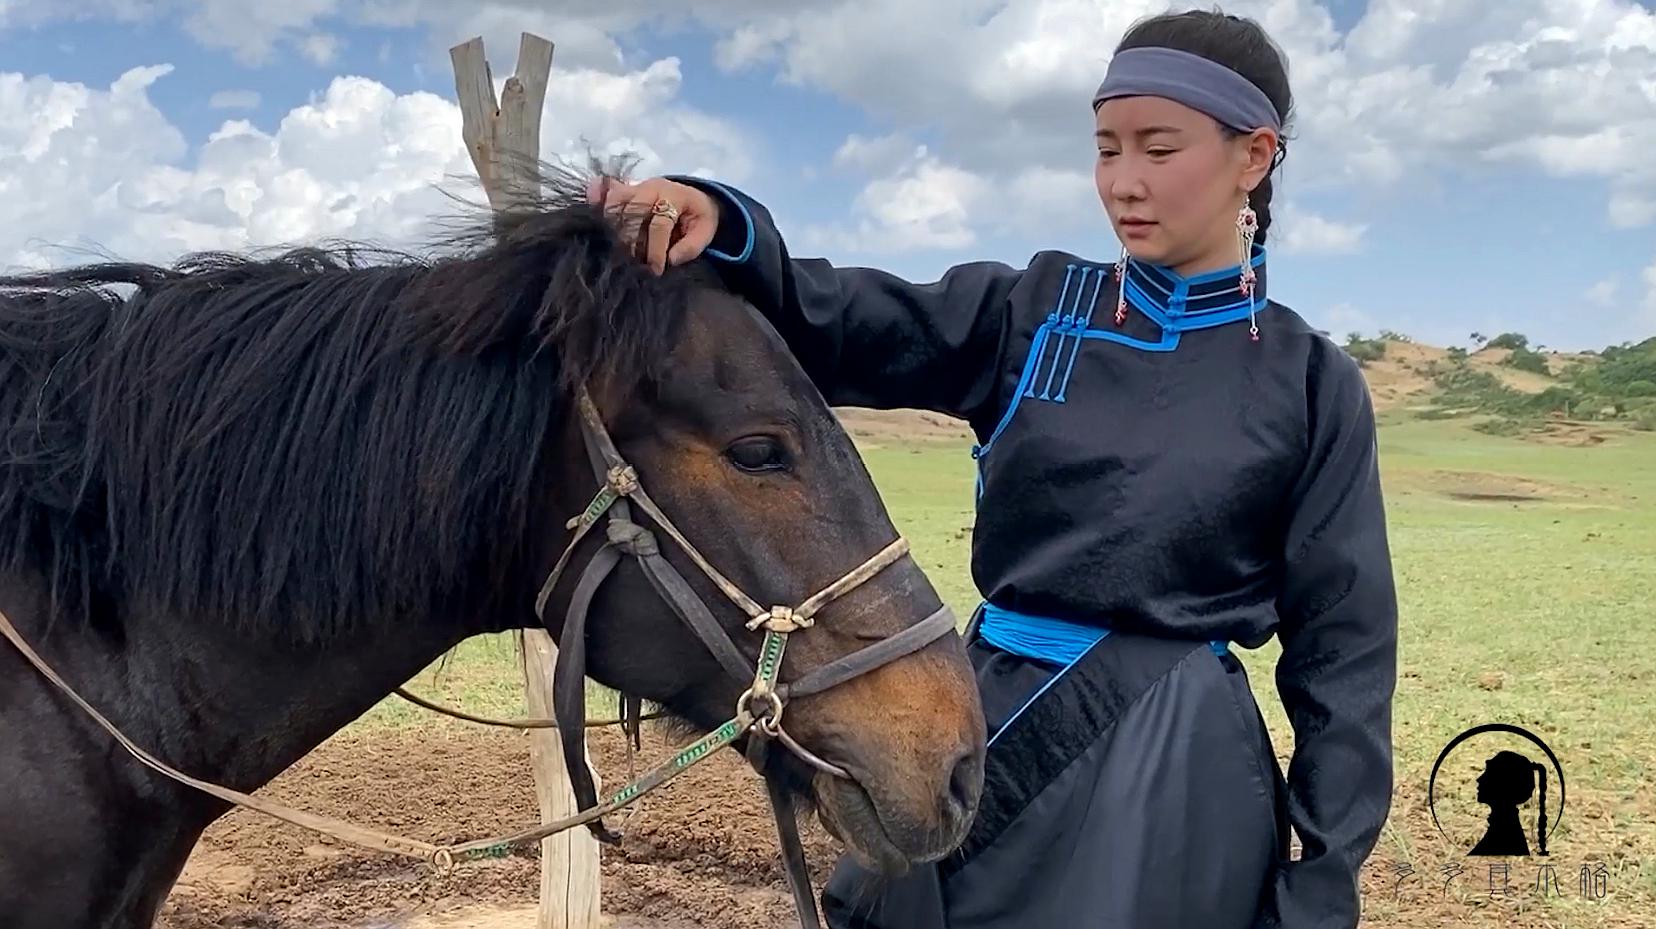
point(1428, 194)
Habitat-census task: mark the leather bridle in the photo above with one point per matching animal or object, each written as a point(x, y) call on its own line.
point(764, 701)
point(758, 711)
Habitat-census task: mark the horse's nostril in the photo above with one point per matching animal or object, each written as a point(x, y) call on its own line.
point(965, 783)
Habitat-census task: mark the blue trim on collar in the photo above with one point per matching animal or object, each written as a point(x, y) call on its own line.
point(1177, 303)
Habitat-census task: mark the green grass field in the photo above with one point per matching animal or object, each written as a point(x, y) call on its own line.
point(1526, 573)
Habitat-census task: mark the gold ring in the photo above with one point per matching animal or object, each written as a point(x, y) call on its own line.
point(665, 208)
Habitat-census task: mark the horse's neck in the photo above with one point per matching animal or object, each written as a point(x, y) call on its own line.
point(224, 706)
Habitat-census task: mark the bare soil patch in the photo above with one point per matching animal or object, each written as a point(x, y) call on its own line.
point(1578, 434)
point(701, 852)
point(1489, 487)
point(881, 426)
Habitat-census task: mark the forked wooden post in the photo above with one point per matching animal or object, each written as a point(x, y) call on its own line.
point(504, 141)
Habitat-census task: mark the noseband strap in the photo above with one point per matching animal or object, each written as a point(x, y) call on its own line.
point(889, 649)
point(763, 703)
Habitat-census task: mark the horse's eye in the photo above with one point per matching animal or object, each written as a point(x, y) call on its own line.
point(758, 454)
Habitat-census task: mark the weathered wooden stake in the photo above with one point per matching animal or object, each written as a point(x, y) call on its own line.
point(504, 141)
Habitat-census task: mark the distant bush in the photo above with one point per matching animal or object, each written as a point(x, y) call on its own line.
point(1620, 386)
point(1456, 353)
point(1364, 350)
point(1435, 413)
point(1463, 384)
point(1621, 367)
point(1525, 360)
point(1561, 400)
point(1501, 426)
point(1391, 335)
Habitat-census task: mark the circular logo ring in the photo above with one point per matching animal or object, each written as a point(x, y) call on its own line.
point(1431, 786)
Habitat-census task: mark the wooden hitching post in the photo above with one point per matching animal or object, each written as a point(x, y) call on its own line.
point(504, 141)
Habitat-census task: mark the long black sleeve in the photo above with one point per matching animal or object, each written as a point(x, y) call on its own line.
point(1338, 669)
point(866, 337)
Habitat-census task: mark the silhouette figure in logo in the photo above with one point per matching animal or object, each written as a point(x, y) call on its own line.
point(1507, 783)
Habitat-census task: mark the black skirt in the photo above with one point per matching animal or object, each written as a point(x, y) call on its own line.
point(1138, 789)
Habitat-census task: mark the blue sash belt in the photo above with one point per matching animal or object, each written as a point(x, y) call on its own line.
point(1045, 638)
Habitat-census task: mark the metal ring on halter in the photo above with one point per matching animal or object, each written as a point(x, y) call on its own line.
point(771, 722)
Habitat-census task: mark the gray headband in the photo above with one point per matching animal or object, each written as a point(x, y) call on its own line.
point(1191, 80)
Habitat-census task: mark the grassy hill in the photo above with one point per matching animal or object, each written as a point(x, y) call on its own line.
point(1505, 387)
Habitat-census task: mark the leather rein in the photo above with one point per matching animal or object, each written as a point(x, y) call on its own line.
point(758, 712)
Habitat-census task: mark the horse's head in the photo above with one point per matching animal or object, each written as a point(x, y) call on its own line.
point(741, 454)
point(323, 448)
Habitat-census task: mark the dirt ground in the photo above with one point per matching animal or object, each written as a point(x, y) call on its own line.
point(699, 854)
point(879, 426)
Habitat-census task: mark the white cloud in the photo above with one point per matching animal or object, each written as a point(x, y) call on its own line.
point(260, 34)
point(1567, 87)
point(1044, 201)
point(36, 12)
point(1630, 208)
point(1342, 319)
point(1564, 87)
point(103, 170)
point(1296, 231)
point(251, 31)
point(639, 112)
point(923, 204)
point(750, 45)
point(874, 155)
point(578, 42)
point(235, 100)
point(1649, 275)
point(321, 48)
point(111, 174)
point(1603, 293)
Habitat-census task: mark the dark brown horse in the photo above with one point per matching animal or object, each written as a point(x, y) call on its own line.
point(242, 499)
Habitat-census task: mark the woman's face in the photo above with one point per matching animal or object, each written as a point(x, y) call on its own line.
point(1172, 181)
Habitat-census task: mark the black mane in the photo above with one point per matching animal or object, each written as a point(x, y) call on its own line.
point(319, 440)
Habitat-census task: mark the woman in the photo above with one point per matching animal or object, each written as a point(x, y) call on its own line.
point(1168, 462)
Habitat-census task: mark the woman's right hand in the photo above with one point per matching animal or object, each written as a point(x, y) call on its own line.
point(681, 219)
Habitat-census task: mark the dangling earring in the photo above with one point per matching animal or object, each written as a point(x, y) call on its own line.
point(1121, 288)
point(1247, 223)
